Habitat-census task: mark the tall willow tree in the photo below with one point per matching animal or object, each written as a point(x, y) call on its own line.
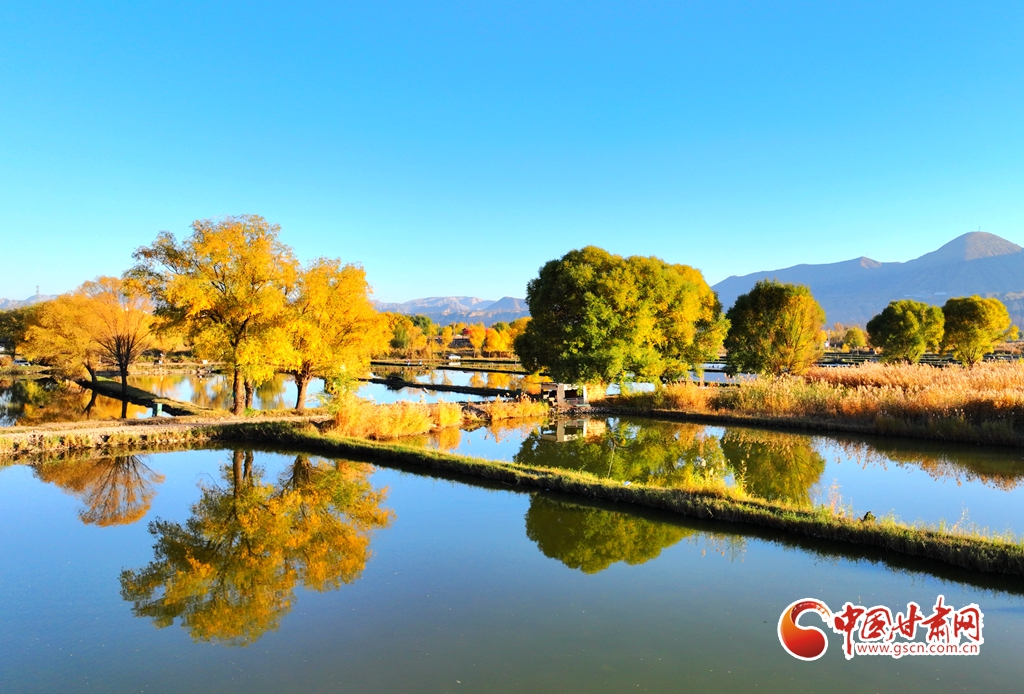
point(599, 317)
point(334, 326)
point(227, 286)
point(775, 328)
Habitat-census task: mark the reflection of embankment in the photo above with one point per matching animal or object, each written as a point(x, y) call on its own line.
point(230, 572)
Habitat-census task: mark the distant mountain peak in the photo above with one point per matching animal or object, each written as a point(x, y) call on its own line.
point(972, 246)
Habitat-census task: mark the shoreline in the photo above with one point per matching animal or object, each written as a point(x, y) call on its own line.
point(972, 553)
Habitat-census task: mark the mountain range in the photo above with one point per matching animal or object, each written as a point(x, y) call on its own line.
point(853, 291)
point(8, 304)
point(454, 309)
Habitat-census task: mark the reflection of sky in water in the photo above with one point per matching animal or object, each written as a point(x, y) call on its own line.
point(914, 489)
point(456, 589)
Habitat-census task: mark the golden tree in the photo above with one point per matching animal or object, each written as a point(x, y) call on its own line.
point(335, 328)
point(227, 286)
point(121, 321)
point(61, 337)
point(477, 334)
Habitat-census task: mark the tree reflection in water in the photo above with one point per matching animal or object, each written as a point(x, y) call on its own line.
point(664, 454)
point(114, 491)
point(773, 465)
point(230, 572)
point(592, 539)
point(30, 401)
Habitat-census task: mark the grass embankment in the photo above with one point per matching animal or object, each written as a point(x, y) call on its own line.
point(983, 404)
point(705, 499)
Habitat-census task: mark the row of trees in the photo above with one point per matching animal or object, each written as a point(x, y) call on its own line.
point(599, 317)
point(233, 292)
point(968, 327)
point(419, 336)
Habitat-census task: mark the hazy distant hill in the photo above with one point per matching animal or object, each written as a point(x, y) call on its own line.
point(453, 309)
point(853, 291)
point(8, 304)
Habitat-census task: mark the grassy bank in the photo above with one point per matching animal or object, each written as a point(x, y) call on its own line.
point(714, 501)
point(983, 404)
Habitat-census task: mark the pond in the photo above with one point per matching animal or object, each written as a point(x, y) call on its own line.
point(279, 393)
point(975, 486)
point(235, 571)
point(31, 401)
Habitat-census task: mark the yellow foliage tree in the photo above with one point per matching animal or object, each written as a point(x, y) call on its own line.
point(106, 318)
point(227, 287)
point(61, 337)
point(496, 342)
point(335, 329)
point(477, 334)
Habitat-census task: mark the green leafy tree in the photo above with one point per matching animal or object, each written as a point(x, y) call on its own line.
point(599, 317)
point(906, 329)
point(775, 328)
point(854, 338)
point(974, 326)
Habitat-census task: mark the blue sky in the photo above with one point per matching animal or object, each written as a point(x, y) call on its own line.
point(452, 148)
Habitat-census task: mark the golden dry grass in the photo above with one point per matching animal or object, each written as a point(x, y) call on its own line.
point(363, 419)
point(523, 408)
point(983, 404)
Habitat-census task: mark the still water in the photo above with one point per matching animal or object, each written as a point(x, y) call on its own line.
point(279, 393)
point(230, 571)
point(980, 486)
point(31, 401)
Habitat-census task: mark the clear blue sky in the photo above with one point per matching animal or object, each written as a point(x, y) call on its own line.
point(452, 148)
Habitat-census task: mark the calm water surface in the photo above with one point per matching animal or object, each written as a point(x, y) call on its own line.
point(227, 571)
point(29, 401)
point(279, 393)
point(915, 480)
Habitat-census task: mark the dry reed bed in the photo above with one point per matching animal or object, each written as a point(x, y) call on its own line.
point(984, 404)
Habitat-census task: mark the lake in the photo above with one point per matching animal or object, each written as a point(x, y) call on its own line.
point(235, 571)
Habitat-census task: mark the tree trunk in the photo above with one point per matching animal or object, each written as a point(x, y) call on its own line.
point(124, 381)
point(124, 409)
point(236, 471)
point(92, 373)
point(250, 390)
point(301, 382)
point(92, 403)
point(238, 389)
